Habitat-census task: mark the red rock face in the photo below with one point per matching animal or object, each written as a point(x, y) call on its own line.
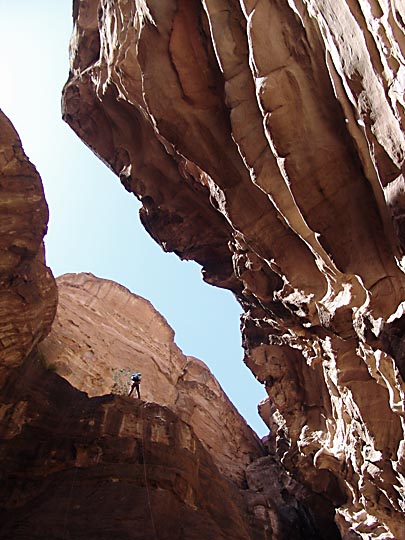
point(265, 141)
point(113, 466)
point(107, 467)
point(28, 294)
point(103, 333)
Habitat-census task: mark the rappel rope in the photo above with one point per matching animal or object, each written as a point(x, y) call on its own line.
point(68, 504)
point(146, 477)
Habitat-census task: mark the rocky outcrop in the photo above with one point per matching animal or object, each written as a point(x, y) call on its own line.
point(103, 333)
point(28, 294)
point(265, 141)
point(107, 467)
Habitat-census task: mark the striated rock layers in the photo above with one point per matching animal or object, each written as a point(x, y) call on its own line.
point(102, 334)
point(107, 467)
point(28, 294)
point(265, 141)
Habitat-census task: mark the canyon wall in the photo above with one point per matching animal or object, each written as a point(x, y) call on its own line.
point(103, 333)
point(109, 466)
point(28, 294)
point(265, 141)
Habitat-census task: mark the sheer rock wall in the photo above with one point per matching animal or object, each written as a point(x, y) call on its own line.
point(28, 294)
point(265, 141)
point(103, 333)
point(107, 467)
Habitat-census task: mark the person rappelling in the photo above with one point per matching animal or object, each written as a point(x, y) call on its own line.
point(136, 383)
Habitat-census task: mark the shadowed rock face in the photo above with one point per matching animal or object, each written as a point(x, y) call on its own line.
point(107, 467)
point(265, 141)
point(102, 333)
point(28, 294)
point(113, 466)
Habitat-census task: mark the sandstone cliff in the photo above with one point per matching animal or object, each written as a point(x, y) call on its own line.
point(107, 467)
point(265, 141)
point(28, 294)
point(111, 466)
point(103, 333)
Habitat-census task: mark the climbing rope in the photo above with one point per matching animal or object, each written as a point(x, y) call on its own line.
point(146, 477)
point(68, 504)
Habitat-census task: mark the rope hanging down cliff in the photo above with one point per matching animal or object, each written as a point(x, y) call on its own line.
point(145, 474)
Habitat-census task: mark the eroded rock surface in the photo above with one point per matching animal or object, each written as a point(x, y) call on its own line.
point(28, 294)
point(103, 333)
point(114, 466)
point(110, 466)
point(107, 467)
point(265, 141)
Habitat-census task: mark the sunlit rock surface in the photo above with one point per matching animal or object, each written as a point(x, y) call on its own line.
point(28, 293)
point(102, 334)
point(265, 141)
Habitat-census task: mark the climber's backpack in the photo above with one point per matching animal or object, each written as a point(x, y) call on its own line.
point(136, 377)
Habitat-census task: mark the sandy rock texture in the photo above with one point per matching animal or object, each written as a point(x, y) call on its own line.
point(28, 294)
point(103, 333)
point(265, 140)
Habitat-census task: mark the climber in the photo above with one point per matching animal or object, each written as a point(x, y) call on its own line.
point(136, 382)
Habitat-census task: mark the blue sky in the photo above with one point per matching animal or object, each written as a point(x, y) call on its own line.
point(94, 224)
